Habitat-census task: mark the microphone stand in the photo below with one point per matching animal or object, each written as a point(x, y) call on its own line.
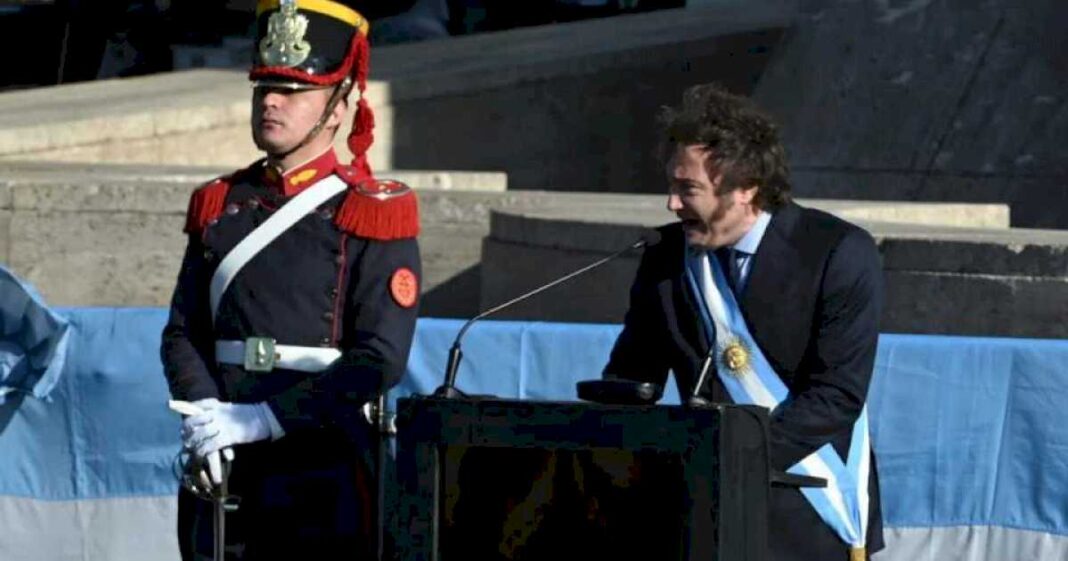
point(695, 398)
point(448, 390)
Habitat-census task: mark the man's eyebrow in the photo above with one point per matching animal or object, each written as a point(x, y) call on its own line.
point(684, 182)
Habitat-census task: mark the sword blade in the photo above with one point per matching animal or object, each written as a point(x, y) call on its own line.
point(220, 512)
point(220, 530)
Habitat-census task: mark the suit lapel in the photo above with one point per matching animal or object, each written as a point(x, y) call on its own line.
point(772, 278)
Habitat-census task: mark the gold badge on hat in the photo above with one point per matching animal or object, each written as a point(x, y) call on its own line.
point(284, 44)
point(735, 357)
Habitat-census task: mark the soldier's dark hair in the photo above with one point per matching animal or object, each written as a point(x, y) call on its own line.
point(743, 142)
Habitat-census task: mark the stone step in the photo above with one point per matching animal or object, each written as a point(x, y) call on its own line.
point(937, 103)
point(141, 175)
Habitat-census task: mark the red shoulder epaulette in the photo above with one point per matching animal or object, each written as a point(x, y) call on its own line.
point(206, 204)
point(377, 209)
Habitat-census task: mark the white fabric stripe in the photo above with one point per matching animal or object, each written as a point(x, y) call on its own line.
point(716, 307)
point(863, 500)
point(815, 466)
point(971, 543)
point(279, 222)
point(757, 392)
point(113, 529)
point(305, 359)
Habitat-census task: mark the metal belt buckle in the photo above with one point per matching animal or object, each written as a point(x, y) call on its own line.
point(260, 355)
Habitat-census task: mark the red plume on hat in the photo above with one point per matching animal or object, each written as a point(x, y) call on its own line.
point(308, 43)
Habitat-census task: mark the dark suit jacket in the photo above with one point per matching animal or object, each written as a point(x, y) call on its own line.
point(812, 302)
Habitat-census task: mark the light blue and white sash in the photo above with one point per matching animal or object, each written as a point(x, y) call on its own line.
point(750, 379)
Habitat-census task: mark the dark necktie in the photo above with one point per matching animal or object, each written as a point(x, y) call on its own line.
point(729, 263)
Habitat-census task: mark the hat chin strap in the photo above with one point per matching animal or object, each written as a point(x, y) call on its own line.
point(342, 89)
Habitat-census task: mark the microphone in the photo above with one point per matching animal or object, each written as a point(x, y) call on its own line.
point(448, 389)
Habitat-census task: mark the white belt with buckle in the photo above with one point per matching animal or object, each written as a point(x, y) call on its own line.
point(261, 354)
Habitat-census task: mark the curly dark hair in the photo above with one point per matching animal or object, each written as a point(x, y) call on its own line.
point(743, 140)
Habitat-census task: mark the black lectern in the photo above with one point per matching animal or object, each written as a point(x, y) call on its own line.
point(505, 479)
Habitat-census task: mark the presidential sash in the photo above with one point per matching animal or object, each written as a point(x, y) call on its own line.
point(750, 379)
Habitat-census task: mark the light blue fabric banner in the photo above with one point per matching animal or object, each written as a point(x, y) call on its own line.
point(33, 340)
point(967, 431)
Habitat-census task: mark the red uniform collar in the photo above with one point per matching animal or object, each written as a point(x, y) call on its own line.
point(302, 176)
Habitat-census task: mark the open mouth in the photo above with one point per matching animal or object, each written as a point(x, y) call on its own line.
point(692, 224)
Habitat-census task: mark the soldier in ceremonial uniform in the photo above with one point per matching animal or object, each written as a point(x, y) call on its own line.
point(296, 304)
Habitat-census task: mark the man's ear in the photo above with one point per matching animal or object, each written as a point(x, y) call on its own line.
point(746, 195)
point(338, 114)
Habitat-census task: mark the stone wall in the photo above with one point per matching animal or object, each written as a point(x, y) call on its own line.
point(111, 236)
point(927, 101)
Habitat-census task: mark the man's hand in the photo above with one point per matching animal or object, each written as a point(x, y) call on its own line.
point(213, 462)
point(222, 425)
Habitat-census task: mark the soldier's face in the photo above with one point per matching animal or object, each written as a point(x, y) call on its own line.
point(711, 215)
point(281, 118)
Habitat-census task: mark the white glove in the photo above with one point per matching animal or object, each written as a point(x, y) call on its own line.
point(188, 410)
point(214, 460)
point(223, 424)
